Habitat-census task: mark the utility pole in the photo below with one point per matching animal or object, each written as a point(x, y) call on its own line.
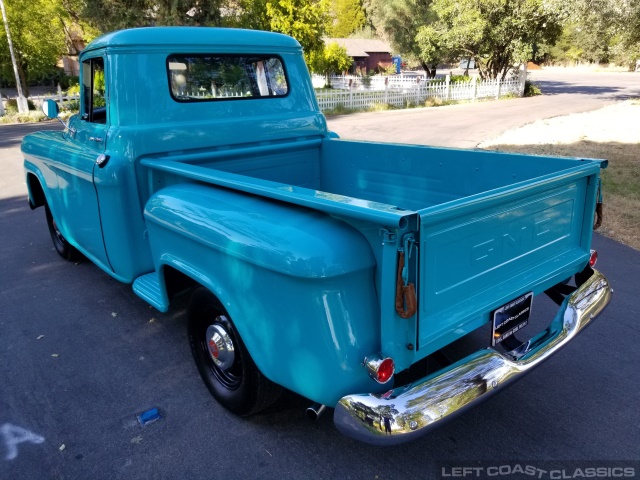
point(23, 106)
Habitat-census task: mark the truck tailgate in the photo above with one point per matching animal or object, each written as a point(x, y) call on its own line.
point(480, 252)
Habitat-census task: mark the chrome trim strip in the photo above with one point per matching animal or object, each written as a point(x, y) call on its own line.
point(408, 412)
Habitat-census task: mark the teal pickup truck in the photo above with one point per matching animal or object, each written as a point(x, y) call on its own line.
point(200, 165)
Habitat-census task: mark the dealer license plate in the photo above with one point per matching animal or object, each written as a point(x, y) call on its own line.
point(511, 317)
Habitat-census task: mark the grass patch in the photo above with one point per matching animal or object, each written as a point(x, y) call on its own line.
point(340, 109)
point(609, 133)
point(620, 182)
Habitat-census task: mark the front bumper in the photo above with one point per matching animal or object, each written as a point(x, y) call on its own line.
point(408, 412)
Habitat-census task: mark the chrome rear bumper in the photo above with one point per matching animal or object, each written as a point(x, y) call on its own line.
point(408, 412)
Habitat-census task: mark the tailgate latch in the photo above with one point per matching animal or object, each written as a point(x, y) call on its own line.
point(406, 302)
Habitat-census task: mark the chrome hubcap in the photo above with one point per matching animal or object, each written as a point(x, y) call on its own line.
point(220, 346)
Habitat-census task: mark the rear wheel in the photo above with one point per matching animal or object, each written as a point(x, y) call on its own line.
point(222, 359)
point(64, 248)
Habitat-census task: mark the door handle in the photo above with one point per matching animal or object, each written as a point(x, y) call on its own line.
point(102, 160)
point(96, 139)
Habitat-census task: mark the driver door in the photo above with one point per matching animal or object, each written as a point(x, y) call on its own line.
point(87, 139)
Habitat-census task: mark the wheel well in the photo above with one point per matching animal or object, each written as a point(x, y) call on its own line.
point(177, 282)
point(36, 193)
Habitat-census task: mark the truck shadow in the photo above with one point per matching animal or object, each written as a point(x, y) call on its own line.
point(554, 87)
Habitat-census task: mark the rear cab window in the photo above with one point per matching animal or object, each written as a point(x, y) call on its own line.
point(211, 77)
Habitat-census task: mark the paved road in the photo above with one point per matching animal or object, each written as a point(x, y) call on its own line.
point(467, 125)
point(80, 356)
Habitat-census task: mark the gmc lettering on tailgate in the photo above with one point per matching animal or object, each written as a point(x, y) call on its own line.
point(520, 237)
point(510, 245)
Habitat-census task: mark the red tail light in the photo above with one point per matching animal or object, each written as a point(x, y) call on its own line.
point(379, 368)
point(594, 258)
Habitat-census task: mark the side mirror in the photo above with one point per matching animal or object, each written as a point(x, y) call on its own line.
point(50, 109)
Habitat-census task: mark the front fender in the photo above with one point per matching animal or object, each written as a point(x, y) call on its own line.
point(38, 149)
point(298, 284)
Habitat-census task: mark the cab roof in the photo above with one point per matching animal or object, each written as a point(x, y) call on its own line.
point(183, 36)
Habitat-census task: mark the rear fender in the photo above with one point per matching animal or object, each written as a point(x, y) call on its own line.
point(298, 284)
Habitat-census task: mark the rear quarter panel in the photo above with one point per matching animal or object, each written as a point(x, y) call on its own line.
point(298, 284)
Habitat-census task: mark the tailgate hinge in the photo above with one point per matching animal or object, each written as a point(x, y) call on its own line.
point(406, 301)
point(599, 213)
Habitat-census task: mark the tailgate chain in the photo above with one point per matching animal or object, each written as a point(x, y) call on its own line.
point(406, 302)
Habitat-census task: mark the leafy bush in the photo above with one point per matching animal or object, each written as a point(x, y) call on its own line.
point(381, 107)
point(531, 89)
point(12, 106)
point(387, 70)
point(73, 90)
point(69, 81)
point(460, 78)
point(339, 109)
point(30, 117)
point(433, 102)
point(72, 106)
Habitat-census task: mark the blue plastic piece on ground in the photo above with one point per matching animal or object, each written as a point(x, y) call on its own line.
point(148, 416)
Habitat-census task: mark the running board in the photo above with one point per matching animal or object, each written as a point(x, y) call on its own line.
point(147, 287)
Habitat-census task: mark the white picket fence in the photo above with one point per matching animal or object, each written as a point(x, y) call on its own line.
point(64, 101)
point(398, 90)
point(349, 91)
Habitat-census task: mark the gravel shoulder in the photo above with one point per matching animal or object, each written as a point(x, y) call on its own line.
point(611, 133)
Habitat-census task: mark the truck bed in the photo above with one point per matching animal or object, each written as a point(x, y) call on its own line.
point(489, 226)
point(407, 177)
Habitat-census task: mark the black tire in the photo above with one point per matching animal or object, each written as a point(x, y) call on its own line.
point(239, 387)
point(64, 248)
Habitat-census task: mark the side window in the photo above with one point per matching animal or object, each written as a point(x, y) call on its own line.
point(93, 91)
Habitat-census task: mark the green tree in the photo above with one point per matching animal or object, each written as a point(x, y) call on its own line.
point(603, 29)
point(499, 34)
point(251, 14)
point(581, 44)
point(304, 20)
point(347, 17)
point(332, 59)
point(109, 15)
point(398, 21)
point(41, 31)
